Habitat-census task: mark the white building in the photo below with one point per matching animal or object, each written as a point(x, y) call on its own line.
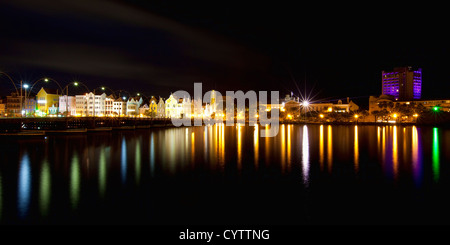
point(90, 104)
point(69, 103)
point(119, 107)
point(172, 109)
point(133, 105)
point(161, 109)
point(109, 105)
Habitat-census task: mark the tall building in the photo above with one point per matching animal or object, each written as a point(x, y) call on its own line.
point(404, 83)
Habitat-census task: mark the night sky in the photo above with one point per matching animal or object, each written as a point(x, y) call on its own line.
point(334, 50)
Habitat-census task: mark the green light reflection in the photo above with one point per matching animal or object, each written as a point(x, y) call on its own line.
point(74, 181)
point(435, 156)
point(102, 173)
point(45, 188)
point(138, 161)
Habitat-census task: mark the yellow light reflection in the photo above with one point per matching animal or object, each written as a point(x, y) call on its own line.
point(222, 139)
point(283, 149)
point(415, 155)
point(305, 156)
point(192, 148)
point(289, 147)
point(239, 148)
point(395, 152)
point(356, 150)
point(256, 145)
point(321, 152)
point(267, 146)
point(383, 146)
point(330, 149)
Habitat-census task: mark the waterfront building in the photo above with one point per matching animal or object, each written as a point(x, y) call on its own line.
point(133, 105)
point(47, 98)
point(172, 108)
point(109, 105)
point(144, 110)
point(67, 103)
point(90, 104)
point(12, 106)
point(153, 107)
point(3, 109)
point(161, 109)
point(403, 83)
point(119, 107)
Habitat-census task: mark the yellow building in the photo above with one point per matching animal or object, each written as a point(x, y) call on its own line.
point(47, 102)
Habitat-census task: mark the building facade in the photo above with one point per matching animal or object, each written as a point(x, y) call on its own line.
point(403, 83)
point(46, 99)
point(67, 103)
point(161, 109)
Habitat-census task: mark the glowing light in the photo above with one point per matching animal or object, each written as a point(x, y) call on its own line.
point(289, 116)
point(75, 83)
point(103, 88)
point(395, 115)
point(330, 109)
point(436, 108)
point(45, 79)
point(26, 86)
point(416, 115)
point(321, 116)
point(305, 103)
point(356, 116)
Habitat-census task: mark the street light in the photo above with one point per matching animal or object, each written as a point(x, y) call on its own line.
point(67, 93)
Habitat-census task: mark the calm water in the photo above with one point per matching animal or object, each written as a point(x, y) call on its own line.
point(229, 175)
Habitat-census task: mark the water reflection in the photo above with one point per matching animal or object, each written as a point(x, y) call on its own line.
point(378, 153)
point(435, 157)
point(152, 153)
point(305, 156)
point(24, 186)
point(75, 179)
point(395, 152)
point(289, 147)
point(137, 160)
point(123, 160)
point(283, 149)
point(330, 149)
point(102, 172)
point(45, 188)
point(416, 156)
point(1, 196)
point(239, 146)
point(321, 146)
point(256, 144)
point(356, 150)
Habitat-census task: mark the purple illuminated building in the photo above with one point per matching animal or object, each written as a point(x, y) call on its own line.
point(404, 83)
